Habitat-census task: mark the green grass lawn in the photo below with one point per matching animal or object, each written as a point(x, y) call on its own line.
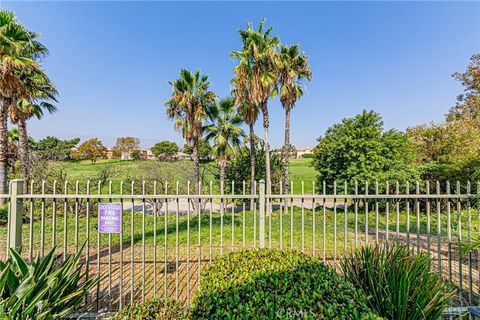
point(118, 170)
point(301, 170)
point(242, 227)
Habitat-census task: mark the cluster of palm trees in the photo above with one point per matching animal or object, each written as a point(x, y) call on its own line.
point(266, 68)
point(25, 89)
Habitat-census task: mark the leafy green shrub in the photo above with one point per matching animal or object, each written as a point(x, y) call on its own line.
point(307, 156)
point(400, 283)
point(153, 309)
point(3, 214)
point(272, 284)
point(44, 289)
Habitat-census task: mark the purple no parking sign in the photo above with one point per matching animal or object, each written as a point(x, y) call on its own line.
point(110, 217)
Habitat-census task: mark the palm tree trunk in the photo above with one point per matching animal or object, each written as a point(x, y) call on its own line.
point(222, 185)
point(286, 148)
point(267, 149)
point(222, 177)
point(253, 160)
point(196, 173)
point(3, 148)
point(24, 154)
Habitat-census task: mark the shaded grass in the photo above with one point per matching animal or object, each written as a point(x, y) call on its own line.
point(295, 229)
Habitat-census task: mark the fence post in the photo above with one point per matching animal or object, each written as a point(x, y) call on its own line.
point(262, 213)
point(15, 215)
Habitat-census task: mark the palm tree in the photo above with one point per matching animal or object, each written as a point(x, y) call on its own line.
point(292, 68)
point(189, 106)
point(256, 77)
point(39, 91)
point(249, 113)
point(18, 53)
point(225, 133)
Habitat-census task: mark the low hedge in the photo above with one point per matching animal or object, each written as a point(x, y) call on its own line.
point(273, 284)
point(153, 309)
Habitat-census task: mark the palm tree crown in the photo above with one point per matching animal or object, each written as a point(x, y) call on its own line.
point(224, 130)
point(19, 51)
point(255, 76)
point(292, 68)
point(190, 104)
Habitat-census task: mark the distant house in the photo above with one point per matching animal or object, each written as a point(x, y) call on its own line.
point(182, 156)
point(302, 151)
point(146, 154)
point(109, 153)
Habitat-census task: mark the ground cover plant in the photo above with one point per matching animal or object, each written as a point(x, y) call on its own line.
point(44, 289)
point(273, 284)
point(400, 282)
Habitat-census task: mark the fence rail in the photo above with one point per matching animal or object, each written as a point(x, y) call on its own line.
point(168, 239)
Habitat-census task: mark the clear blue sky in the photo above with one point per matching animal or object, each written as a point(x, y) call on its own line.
point(111, 60)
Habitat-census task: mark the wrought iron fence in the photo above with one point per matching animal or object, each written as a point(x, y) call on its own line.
point(168, 239)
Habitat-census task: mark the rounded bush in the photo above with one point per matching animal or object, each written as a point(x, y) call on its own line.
point(153, 309)
point(273, 284)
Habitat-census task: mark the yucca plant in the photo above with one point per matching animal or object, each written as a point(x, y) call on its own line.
point(400, 283)
point(44, 289)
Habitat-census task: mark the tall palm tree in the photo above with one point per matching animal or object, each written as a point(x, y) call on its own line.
point(256, 77)
point(19, 51)
point(292, 68)
point(189, 106)
point(249, 113)
point(39, 92)
point(225, 133)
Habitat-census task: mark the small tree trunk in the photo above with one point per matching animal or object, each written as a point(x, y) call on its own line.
point(3, 148)
point(24, 154)
point(267, 157)
point(267, 149)
point(196, 173)
point(222, 186)
point(253, 160)
point(286, 149)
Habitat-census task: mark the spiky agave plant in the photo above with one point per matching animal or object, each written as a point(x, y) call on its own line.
point(400, 283)
point(44, 289)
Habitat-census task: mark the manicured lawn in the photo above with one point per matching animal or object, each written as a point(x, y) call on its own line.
point(301, 170)
point(118, 170)
point(242, 227)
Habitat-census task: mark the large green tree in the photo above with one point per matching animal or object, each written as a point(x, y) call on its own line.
point(467, 108)
point(52, 148)
point(19, 51)
point(238, 168)
point(204, 150)
point(225, 133)
point(255, 76)
point(92, 150)
point(359, 149)
point(292, 67)
point(189, 106)
point(450, 150)
point(125, 146)
point(165, 150)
